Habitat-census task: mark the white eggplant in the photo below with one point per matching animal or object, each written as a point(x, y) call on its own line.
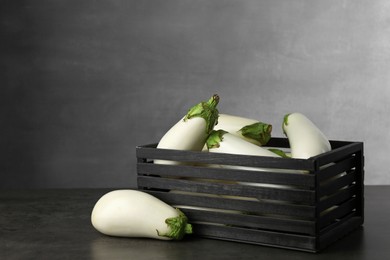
point(305, 138)
point(249, 129)
point(221, 141)
point(191, 132)
point(132, 213)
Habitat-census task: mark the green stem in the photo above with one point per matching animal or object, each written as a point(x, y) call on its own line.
point(261, 132)
point(279, 152)
point(215, 137)
point(207, 110)
point(178, 227)
point(285, 122)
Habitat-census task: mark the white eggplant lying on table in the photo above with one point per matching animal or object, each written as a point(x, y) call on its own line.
point(132, 213)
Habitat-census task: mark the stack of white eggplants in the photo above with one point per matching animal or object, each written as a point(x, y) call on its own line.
point(133, 213)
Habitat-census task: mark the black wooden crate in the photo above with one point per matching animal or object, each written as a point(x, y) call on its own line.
point(314, 210)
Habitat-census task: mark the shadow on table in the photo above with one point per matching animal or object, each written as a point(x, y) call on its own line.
point(105, 247)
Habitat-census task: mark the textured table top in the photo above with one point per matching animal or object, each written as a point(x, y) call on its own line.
point(55, 224)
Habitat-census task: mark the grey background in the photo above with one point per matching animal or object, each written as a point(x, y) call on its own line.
point(83, 82)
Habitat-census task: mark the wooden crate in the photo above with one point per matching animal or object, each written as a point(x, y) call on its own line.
point(281, 207)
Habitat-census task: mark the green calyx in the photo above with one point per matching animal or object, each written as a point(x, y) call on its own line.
point(261, 132)
point(178, 227)
point(207, 110)
point(215, 137)
point(285, 122)
point(279, 152)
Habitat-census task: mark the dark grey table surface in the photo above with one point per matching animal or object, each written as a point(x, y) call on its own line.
point(55, 224)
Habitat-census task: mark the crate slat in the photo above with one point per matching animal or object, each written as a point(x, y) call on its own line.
point(337, 184)
point(346, 149)
point(150, 152)
point(337, 198)
point(339, 230)
point(339, 212)
point(333, 170)
point(254, 207)
point(301, 196)
point(298, 179)
point(275, 239)
point(251, 221)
